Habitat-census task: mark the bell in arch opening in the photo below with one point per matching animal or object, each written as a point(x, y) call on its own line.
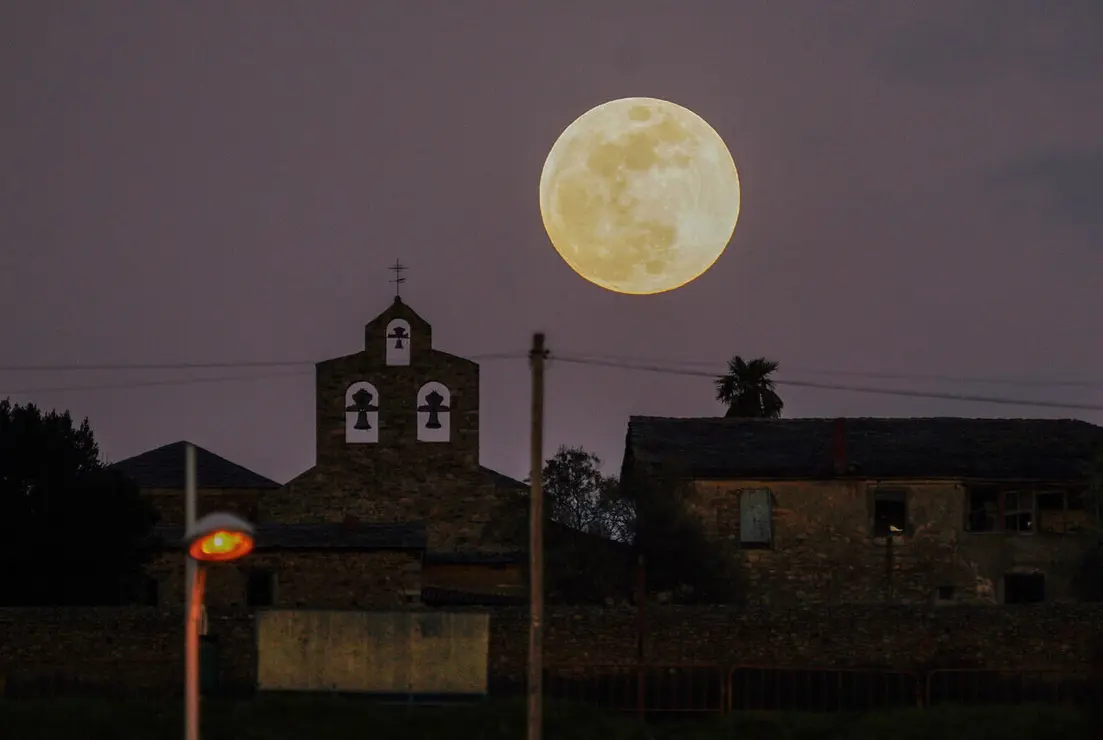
point(361, 413)
point(434, 413)
point(398, 342)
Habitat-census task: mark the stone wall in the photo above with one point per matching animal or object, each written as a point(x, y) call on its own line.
point(49, 650)
point(398, 388)
point(143, 648)
point(823, 547)
point(462, 510)
point(883, 637)
point(169, 503)
point(113, 650)
point(503, 578)
point(320, 580)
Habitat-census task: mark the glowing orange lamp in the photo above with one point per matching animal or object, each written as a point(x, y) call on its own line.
point(218, 538)
point(221, 545)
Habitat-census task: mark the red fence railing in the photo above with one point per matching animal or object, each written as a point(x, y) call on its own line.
point(752, 688)
point(670, 688)
point(640, 688)
point(959, 686)
point(651, 688)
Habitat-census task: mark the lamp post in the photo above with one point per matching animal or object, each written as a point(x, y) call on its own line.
point(216, 538)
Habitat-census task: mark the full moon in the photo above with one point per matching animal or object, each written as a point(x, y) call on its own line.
point(639, 196)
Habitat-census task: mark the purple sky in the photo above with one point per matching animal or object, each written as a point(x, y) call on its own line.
point(214, 181)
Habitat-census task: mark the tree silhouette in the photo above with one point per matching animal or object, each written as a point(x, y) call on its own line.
point(72, 530)
point(747, 389)
point(581, 497)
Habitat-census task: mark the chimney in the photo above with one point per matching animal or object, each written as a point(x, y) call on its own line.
point(840, 447)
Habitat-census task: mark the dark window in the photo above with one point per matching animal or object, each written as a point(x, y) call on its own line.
point(890, 512)
point(1051, 501)
point(992, 509)
point(1018, 511)
point(945, 593)
point(1052, 508)
point(1024, 588)
point(1076, 501)
point(261, 588)
point(984, 509)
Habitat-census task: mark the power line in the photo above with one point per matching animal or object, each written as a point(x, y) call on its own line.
point(151, 383)
point(206, 365)
point(849, 388)
point(154, 366)
point(258, 364)
point(592, 360)
point(860, 373)
point(194, 366)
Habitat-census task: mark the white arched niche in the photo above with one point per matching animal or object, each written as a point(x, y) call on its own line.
point(434, 413)
point(361, 413)
point(398, 342)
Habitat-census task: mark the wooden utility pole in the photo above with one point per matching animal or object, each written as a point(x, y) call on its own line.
point(641, 639)
point(536, 544)
point(191, 622)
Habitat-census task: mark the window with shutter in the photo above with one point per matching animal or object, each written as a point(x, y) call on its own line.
point(755, 517)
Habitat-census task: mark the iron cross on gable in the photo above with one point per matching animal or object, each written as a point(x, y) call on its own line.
point(398, 268)
point(434, 405)
point(362, 404)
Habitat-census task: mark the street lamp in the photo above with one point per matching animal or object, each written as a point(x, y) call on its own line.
point(216, 538)
point(219, 538)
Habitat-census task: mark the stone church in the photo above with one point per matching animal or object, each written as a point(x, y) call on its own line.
point(397, 429)
point(395, 511)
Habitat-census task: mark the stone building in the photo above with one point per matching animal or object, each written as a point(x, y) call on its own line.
point(937, 510)
point(222, 485)
point(396, 511)
point(874, 524)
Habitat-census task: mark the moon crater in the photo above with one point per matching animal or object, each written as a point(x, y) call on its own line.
point(639, 195)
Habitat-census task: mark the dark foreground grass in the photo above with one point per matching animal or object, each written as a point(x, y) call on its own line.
point(293, 717)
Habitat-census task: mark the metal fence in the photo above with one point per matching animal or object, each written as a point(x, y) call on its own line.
point(667, 688)
point(689, 688)
point(753, 688)
point(1011, 687)
point(651, 689)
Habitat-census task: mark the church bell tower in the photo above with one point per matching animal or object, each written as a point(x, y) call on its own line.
point(399, 404)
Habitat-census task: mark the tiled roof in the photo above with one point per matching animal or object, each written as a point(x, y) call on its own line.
point(351, 536)
point(503, 481)
point(436, 596)
point(1022, 449)
point(474, 558)
point(164, 468)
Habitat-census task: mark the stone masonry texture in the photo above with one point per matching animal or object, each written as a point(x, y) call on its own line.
point(169, 503)
point(824, 551)
point(316, 580)
point(141, 648)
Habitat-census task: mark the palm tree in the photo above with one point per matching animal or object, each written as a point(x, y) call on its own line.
point(748, 390)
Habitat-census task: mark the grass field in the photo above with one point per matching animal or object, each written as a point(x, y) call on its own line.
point(336, 718)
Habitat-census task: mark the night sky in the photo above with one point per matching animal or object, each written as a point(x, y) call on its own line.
point(210, 182)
